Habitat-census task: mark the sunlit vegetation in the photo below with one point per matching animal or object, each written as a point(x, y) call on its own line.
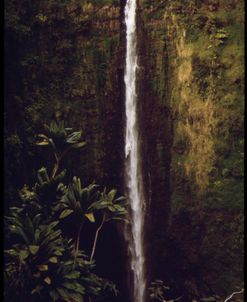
point(205, 95)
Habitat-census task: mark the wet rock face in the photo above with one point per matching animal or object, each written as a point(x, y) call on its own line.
point(186, 89)
point(156, 139)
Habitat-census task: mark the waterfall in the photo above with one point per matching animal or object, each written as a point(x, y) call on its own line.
point(132, 155)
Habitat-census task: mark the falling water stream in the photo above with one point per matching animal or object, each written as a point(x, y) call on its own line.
point(132, 155)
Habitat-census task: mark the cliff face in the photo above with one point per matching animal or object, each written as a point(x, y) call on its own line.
point(192, 65)
point(66, 61)
point(156, 134)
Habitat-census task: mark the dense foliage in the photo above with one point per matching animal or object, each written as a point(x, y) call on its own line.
point(41, 262)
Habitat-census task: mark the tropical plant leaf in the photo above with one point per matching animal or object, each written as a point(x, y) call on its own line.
point(43, 267)
point(90, 217)
point(23, 255)
point(43, 143)
point(76, 297)
point(19, 231)
point(64, 294)
point(58, 252)
point(33, 249)
point(112, 208)
point(121, 198)
point(73, 137)
point(65, 213)
point(112, 194)
point(37, 289)
point(78, 145)
point(73, 275)
point(47, 280)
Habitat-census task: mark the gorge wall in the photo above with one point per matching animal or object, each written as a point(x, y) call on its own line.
point(191, 55)
point(66, 61)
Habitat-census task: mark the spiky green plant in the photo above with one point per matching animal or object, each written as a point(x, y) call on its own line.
point(61, 139)
point(111, 208)
point(41, 264)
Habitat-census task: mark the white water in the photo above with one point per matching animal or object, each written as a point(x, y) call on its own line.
point(132, 154)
